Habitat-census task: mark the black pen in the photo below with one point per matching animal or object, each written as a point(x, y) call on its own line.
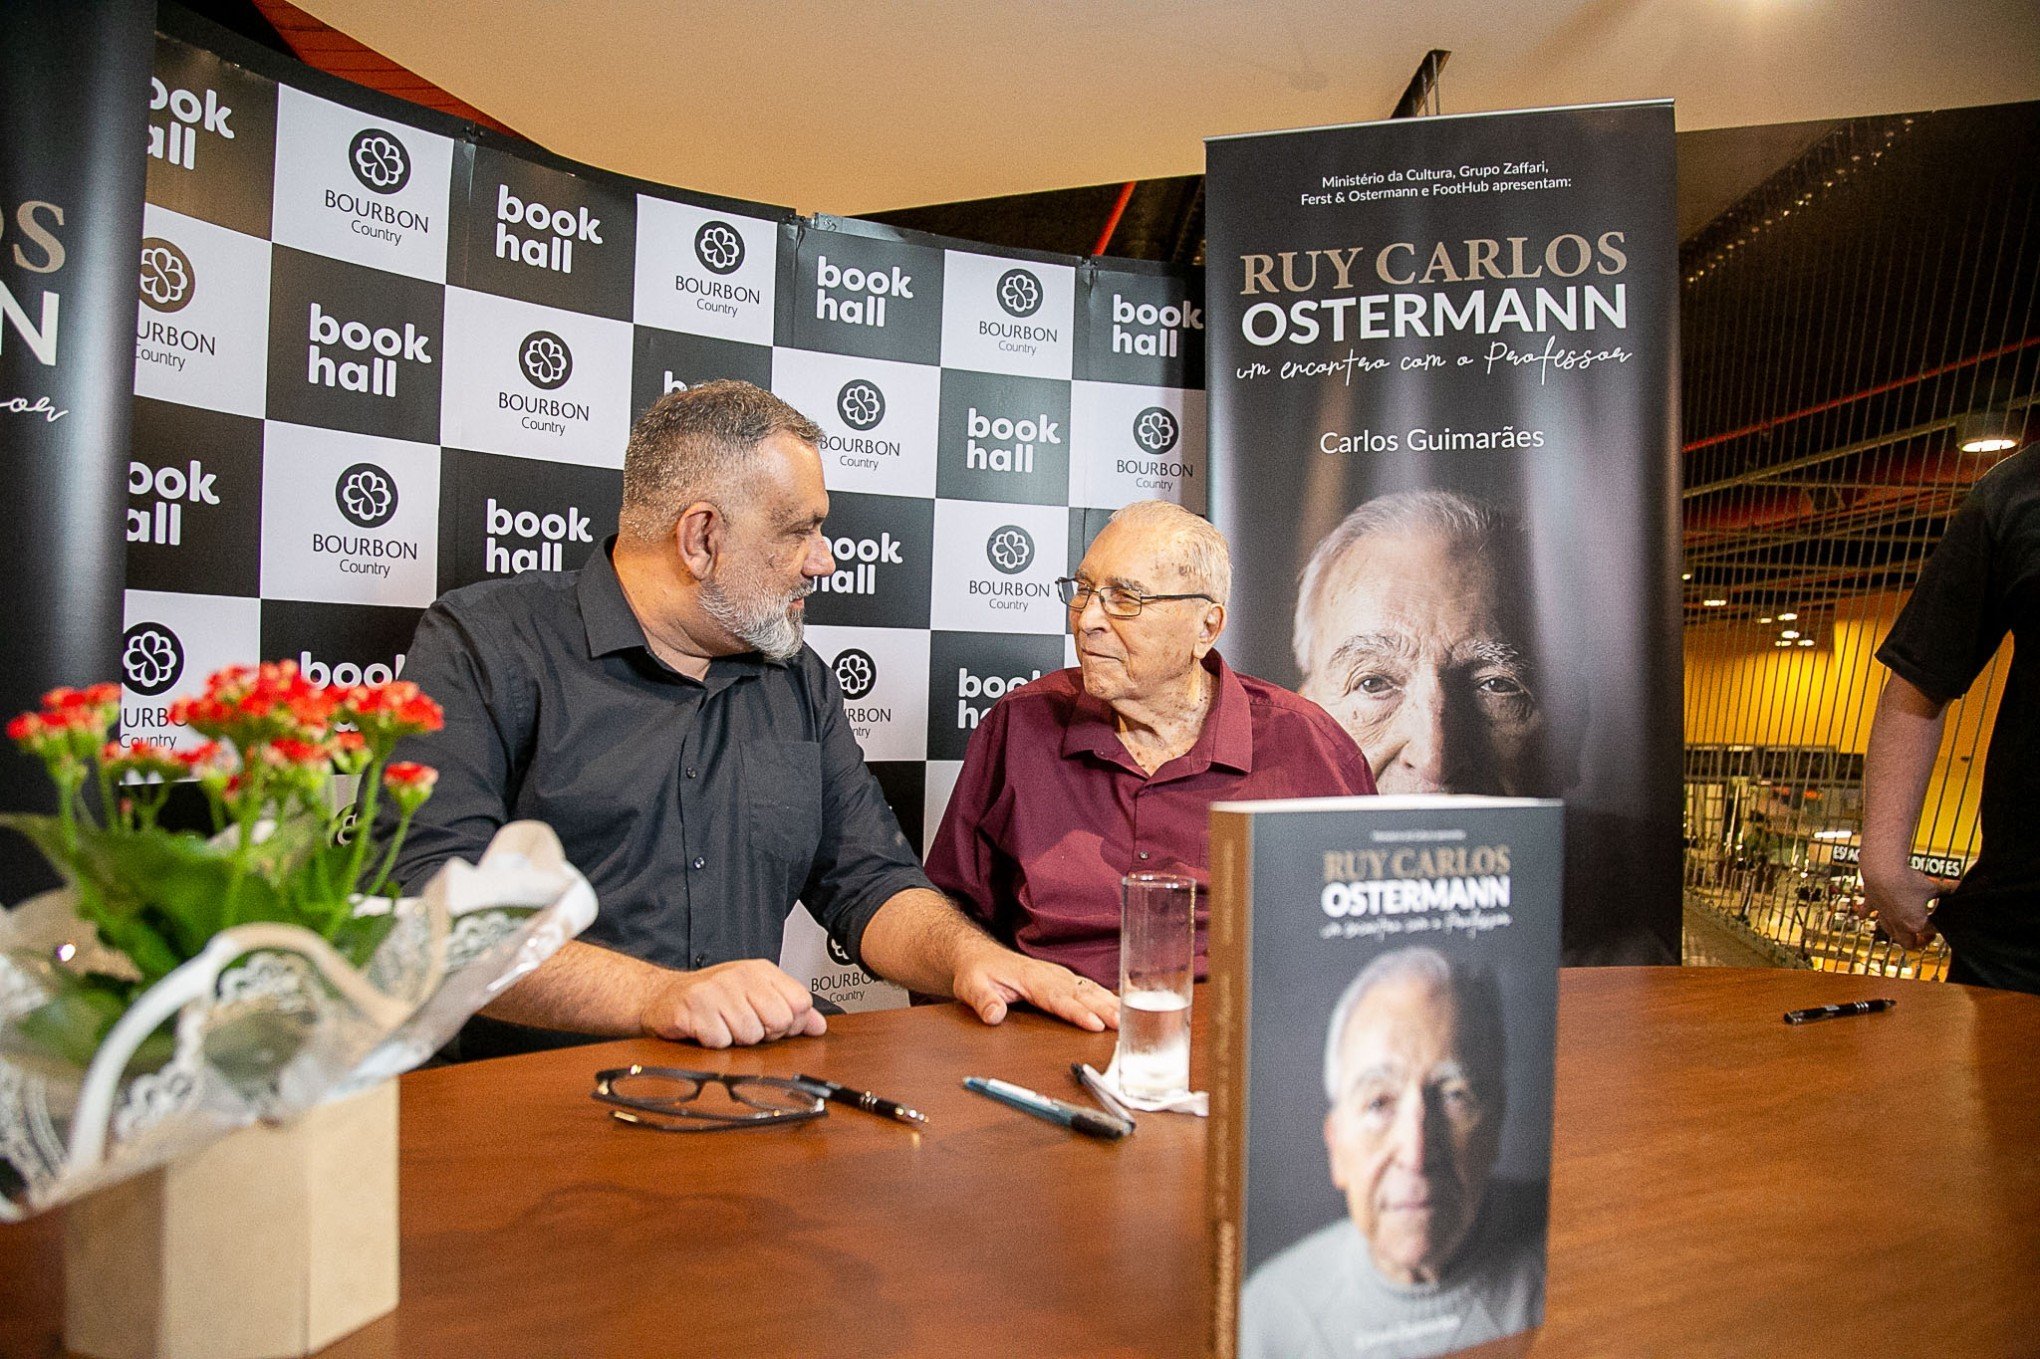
point(1854, 1007)
point(863, 1099)
point(1074, 1117)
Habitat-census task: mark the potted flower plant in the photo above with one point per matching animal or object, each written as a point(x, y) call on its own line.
point(182, 985)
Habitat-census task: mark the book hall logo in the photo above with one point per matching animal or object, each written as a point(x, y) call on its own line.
point(151, 659)
point(861, 404)
point(366, 494)
point(1010, 549)
point(838, 955)
point(1156, 430)
point(545, 359)
point(191, 112)
point(1019, 293)
point(719, 247)
point(379, 160)
point(857, 673)
point(167, 279)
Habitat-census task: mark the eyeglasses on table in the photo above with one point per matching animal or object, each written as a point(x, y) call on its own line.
point(675, 1099)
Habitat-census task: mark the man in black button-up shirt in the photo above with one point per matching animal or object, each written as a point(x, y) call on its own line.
point(658, 710)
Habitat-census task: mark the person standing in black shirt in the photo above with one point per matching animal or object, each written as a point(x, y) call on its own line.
point(1982, 582)
point(657, 708)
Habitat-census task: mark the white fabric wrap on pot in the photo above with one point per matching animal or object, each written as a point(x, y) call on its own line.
point(269, 1020)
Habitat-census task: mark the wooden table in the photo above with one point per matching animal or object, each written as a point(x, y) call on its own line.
point(1725, 1184)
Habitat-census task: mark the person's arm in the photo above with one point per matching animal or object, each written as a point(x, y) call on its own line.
point(478, 753)
point(915, 936)
point(920, 940)
point(1905, 736)
point(587, 989)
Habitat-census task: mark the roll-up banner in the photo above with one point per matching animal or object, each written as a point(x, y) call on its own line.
point(1443, 444)
point(74, 91)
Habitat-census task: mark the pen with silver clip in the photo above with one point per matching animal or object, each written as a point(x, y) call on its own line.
point(1074, 1117)
point(1853, 1007)
point(863, 1099)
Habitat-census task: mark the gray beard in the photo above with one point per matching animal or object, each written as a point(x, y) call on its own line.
point(770, 627)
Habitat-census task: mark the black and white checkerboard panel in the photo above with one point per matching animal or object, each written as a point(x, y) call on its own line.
point(376, 361)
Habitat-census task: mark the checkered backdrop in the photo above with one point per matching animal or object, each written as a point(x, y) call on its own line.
point(380, 354)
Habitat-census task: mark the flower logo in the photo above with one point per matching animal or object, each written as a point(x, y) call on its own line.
point(861, 404)
point(366, 494)
point(1010, 548)
point(856, 672)
point(167, 277)
point(379, 160)
point(1156, 430)
point(545, 359)
point(719, 248)
point(1019, 292)
point(151, 658)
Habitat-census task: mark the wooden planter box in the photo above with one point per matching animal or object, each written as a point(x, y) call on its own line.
point(274, 1242)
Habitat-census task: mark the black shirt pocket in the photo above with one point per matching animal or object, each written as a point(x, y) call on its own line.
point(783, 809)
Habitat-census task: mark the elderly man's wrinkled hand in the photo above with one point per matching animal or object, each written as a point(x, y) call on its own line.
point(733, 1004)
point(994, 978)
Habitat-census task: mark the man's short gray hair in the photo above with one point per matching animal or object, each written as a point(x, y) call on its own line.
point(1480, 1014)
point(1457, 517)
point(699, 443)
point(1196, 548)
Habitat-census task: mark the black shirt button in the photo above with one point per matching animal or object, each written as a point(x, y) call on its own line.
point(700, 862)
point(692, 771)
point(700, 960)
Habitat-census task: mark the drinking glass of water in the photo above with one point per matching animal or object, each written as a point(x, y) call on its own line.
point(1157, 924)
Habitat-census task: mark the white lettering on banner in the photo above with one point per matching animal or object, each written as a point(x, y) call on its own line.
point(41, 336)
point(553, 530)
point(347, 672)
point(163, 524)
point(990, 688)
point(1576, 307)
point(191, 114)
point(858, 560)
point(1162, 327)
point(875, 285)
point(1015, 452)
point(383, 345)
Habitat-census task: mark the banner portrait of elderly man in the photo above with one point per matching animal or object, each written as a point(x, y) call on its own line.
point(1411, 629)
point(1434, 1252)
point(1085, 775)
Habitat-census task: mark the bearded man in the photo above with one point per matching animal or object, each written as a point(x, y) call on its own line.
point(657, 708)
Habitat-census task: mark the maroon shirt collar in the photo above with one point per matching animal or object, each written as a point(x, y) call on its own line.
point(1227, 738)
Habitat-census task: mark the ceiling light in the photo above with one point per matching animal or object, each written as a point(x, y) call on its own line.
point(1806, 641)
point(1781, 644)
point(1788, 618)
point(1763, 620)
point(1988, 431)
point(1686, 576)
point(1789, 635)
point(1713, 603)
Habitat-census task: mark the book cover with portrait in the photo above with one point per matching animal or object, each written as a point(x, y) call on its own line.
point(1385, 979)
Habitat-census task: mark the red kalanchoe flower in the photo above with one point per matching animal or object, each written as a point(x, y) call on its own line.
point(292, 751)
point(193, 758)
point(410, 783)
point(410, 774)
point(24, 728)
point(145, 759)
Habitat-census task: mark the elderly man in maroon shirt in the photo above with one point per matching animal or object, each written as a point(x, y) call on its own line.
point(1085, 775)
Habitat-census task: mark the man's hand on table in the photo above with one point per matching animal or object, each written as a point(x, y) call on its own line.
point(991, 978)
point(1898, 894)
point(741, 1003)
